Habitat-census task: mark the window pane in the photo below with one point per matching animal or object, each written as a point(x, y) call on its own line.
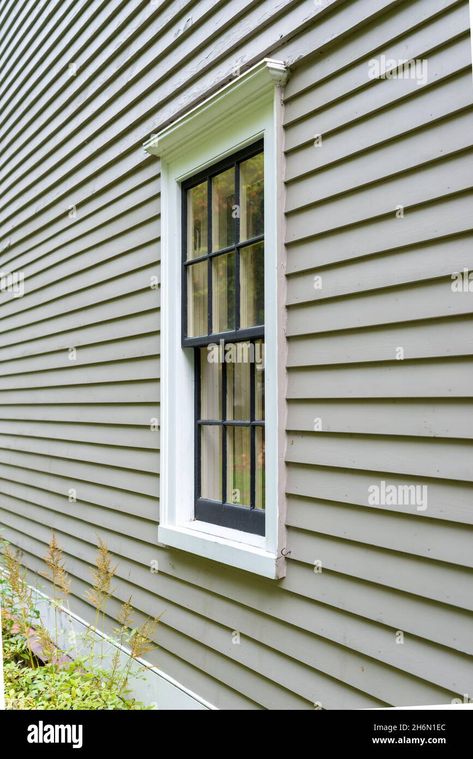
point(210, 385)
point(238, 465)
point(211, 458)
point(260, 472)
point(223, 292)
point(223, 200)
point(238, 382)
point(252, 285)
point(259, 379)
point(197, 215)
point(251, 197)
point(197, 302)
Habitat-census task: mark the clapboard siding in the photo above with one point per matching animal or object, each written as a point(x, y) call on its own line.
point(426, 340)
point(397, 379)
point(446, 498)
point(366, 273)
point(109, 414)
point(441, 220)
point(432, 299)
point(331, 627)
point(439, 419)
point(81, 218)
point(111, 476)
point(384, 284)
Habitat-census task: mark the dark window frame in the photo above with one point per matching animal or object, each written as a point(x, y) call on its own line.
point(244, 518)
point(229, 335)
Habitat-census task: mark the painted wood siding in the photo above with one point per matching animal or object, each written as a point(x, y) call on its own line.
point(81, 219)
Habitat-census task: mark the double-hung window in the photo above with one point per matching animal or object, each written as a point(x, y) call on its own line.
point(223, 321)
point(222, 310)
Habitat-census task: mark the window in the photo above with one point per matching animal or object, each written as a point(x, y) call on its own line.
point(223, 320)
point(222, 383)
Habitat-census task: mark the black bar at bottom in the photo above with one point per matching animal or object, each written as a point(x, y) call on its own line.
point(230, 515)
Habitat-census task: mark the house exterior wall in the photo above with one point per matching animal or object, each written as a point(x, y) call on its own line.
point(84, 84)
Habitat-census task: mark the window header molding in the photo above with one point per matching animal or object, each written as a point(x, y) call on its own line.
point(236, 98)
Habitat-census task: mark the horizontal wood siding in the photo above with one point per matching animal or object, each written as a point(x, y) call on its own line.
point(357, 414)
point(81, 219)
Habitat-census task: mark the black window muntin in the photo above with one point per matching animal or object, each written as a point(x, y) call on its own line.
point(245, 518)
point(237, 333)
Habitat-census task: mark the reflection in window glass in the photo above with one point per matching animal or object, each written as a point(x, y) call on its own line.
point(223, 292)
point(252, 285)
point(223, 272)
point(259, 380)
point(259, 474)
point(197, 221)
point(210, 386)
point(238, 389)
point(197, 310)
point(223, 201)
point(251, 197)
point(211, 462)
point(238, 465)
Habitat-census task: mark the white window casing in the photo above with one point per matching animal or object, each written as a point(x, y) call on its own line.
point(245, 110)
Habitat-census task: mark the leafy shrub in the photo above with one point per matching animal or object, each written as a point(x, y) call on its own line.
point(47, 687)
point(40, 676)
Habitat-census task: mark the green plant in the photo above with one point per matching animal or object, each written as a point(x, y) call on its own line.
point(71, 687)
point(17, 601)
point(40, 676)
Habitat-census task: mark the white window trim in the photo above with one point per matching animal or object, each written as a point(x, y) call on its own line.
point(246, 109)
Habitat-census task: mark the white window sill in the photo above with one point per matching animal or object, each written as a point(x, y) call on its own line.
point(215, 544)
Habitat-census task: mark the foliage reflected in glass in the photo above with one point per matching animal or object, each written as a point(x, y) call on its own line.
point(223, 209)
point(197, 288)
point(252, 285)
point(211, 462)
point(252, 197)
point(197, 221)
point(223, 292)
point(238, 465)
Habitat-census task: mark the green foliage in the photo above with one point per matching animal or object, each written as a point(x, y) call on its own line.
point(47, 687)
point(15, 647)
point(62, 679)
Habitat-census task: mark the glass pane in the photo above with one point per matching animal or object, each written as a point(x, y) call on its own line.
point(211, 466)
point(197, 302)
point(238, 381)
point(223, 292)
point(238, 465)
point(197, 215)
point(252, 197)
point(252, 285)
point(259, 380)
point(223, 209)
point(210, 384)
point(259, 478)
